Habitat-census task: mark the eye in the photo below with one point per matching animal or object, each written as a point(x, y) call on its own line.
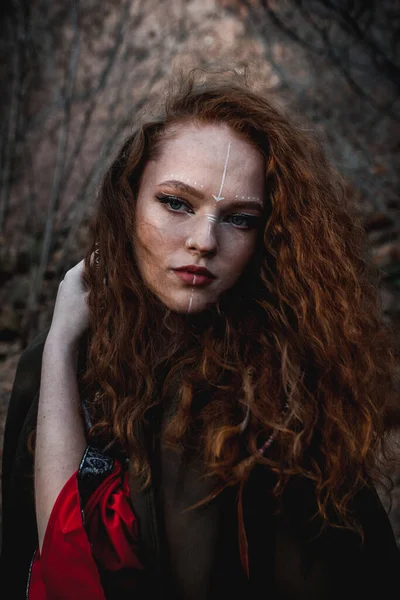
point(244, 221)
point(174, 204)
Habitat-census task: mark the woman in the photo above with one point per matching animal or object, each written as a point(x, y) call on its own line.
point(214, 379)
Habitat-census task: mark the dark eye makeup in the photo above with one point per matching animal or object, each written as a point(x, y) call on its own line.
point(174, 204)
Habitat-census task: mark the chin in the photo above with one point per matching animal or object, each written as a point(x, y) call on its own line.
point(188, 305)
point(184, 309)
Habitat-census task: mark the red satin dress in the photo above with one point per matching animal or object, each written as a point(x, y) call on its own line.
point(78, 545)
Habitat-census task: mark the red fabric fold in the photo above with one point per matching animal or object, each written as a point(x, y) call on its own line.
point(112, 524)
point(66, 569)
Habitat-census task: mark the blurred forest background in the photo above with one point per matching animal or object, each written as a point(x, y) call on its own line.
point(74, 73)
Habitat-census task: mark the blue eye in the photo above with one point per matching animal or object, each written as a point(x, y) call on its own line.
point(174, 204)
point(244, 221)
point(177, 205)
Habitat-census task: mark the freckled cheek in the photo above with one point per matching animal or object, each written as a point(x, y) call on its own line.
point(162, 228)
point(151, 234)
point(158, 242)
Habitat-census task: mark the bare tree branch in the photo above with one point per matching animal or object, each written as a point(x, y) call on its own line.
point(59, 166)
point(102, 82)
point(386, 109)
point(80, 208)
point(287, 30)
point(11, 137)
point(258, 22)
point(337, 53)
point(385, 65)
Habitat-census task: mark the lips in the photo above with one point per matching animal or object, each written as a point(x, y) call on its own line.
point(194, 269)
point(195, 276)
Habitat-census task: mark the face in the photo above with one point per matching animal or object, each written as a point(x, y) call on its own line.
point(199, 209)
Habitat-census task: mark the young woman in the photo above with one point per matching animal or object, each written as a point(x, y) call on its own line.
point(214, 380)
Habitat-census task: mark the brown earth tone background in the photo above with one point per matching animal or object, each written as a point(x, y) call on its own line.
point(75, 73)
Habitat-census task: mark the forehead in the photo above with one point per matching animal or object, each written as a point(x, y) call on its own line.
point(201, 153)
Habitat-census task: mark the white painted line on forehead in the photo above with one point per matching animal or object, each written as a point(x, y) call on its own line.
point(223, 176)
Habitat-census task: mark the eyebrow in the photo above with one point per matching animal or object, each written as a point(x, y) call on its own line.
point(188, 189)
point(183, 187)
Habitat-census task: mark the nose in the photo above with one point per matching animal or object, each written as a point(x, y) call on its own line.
point(202, 238)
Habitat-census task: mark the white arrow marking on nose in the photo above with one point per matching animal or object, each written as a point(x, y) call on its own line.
point(219, 197)
point(211, 219)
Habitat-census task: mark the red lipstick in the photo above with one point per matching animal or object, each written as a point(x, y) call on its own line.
point(194, 275)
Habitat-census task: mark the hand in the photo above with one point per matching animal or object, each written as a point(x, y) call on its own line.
point(71, 312)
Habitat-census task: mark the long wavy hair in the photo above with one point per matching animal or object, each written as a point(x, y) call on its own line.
point(298, 345)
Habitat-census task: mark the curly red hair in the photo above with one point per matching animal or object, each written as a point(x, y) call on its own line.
point(299, 342)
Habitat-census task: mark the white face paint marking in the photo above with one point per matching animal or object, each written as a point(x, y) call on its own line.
point(211, 219)
point(219, 197)
point(191, 294)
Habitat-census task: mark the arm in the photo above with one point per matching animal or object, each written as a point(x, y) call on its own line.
point(60, 433)
point(60, 436)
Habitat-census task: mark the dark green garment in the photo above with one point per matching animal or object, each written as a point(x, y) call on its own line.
point(195, 556)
